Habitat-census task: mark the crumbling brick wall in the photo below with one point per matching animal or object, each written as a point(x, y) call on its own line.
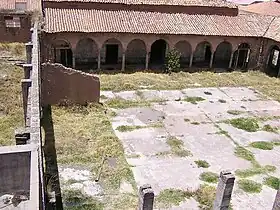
point(60, 84)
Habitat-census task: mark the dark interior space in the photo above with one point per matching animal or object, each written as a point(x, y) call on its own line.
point(112, 51)
point(158, 50)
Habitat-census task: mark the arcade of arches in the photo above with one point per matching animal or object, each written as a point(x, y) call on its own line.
point(137, 55)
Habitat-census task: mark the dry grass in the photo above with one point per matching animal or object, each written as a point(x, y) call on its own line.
point(14, 50)
point(83, 135)
point(258, 80)
point(11, 113)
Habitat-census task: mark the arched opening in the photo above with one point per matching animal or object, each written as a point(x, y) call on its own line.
point(86, 54)
point(136, 54)
point(111, 54)
point(202, 55)
point(222, 55)
point(158, 53)
point(185, 50)
point(62, 53)
point(273, 61)
point(241, 56)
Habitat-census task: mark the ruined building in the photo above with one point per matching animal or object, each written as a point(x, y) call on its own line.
point(129, 34)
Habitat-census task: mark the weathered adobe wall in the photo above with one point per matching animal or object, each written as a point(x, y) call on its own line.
point(60, 84)
point(151, 8)
point(149, 39)
point(21, 34)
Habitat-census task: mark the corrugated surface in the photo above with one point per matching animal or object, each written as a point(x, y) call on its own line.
point(265, 8)
point(11, 4)
point(211, 3)
point(79, 20)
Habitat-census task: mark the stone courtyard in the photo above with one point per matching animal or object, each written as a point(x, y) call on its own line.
point(199, 118)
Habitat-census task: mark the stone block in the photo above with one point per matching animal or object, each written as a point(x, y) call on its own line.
point(146, 197)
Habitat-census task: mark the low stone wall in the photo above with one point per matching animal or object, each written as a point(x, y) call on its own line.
point(61, 84)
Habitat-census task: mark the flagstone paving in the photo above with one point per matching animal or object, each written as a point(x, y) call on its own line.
point(205, 133)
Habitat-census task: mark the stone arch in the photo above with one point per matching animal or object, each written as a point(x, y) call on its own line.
point(159, 49)
point(136, 53)
point(202, 54)
point(185, 49)
point(273, 61)
point(222, 55)
point(241, 56)
point(86, 54)
point(62, 52)
point(111, 54)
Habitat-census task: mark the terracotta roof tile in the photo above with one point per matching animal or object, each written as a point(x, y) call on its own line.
point(80, 20)
point(273, 31)
point(210, 3)
point(265, 8)
point(11, 4)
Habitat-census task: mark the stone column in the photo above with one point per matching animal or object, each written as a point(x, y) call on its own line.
point(146, 197)
point(99, 60)
point(123, 61)
point(27, 70)
point(224, 191)
point(276, 205)
point(236, 61)
point(211, 60)
point(25, 85)
point(191, 60)
point(28, 47)
point(230, 61)
point(147, 61)
point(73, 61)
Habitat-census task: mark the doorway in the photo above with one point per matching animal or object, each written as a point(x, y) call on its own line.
point(158, 50)
point(112, 51)
point(207, 53)
point(64, 56)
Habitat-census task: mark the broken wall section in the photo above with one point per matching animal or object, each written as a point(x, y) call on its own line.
point(61, 84)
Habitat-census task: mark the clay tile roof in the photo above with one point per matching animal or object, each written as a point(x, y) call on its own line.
point(273, 31)
point(265, 8)
point(124, 21)
point(11, 4)
point(209, 3)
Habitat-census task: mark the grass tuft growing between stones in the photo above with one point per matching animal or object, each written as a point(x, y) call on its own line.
point(263, 145)
point(205, 196)
point(187, 120)
point(177, 147)
point(255, 171)
point(272, 182)
point(172, 196)
point(74, 200)
point(269, 128)
point(193, 99)
point(222, 101)
point(127, 128)
point(202, 164)
point(247, 124)
point(209, 177)
point(234, 112)
point(120, 103)
point(195, 123)
point(249, 186)
point(244, 153)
